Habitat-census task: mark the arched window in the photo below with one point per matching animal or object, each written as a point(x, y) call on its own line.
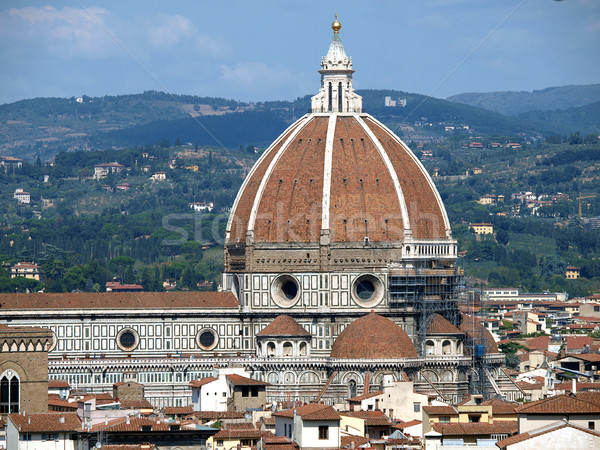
point(459, 348)
point(303, 349)
point(429, 348)
point(340, 97)
point(273, 377)
point(10, 387)
point(447, 376)
point(288, 349)
point(271, 349)
point(446, 348)
point(352, 389)
point(330, 106)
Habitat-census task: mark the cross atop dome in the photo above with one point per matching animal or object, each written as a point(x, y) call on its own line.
point(336, 93)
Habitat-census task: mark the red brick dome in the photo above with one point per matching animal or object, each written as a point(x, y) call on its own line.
point(475, 330)
point(373, 336)
point(341, 174)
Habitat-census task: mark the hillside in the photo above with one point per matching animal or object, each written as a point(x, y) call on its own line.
point(514, 103)
point(44, 126)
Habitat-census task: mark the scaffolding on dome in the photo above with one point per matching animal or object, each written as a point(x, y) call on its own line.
point(422, 293)
point(481, 380)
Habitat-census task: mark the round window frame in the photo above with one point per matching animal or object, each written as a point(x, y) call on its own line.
point(121, 332)
point(53, 342)
point(279, 296)
point(378, 293)
point(207, 330)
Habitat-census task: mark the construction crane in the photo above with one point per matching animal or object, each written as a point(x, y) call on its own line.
point(581, 198)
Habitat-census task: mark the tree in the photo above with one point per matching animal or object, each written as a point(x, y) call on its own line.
point(119, 264)
point(502, 236)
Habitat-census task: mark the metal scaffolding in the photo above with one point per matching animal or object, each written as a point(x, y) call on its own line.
point(422, 293)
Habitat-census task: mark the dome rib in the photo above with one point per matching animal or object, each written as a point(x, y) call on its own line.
point(327, 172)
point(392, 172)
point(438, 198)
point(241, 209)
point(373, 337)
point(303, 122)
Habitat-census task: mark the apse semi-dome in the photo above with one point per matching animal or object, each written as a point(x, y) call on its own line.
point(337, 176)
point(373, 337)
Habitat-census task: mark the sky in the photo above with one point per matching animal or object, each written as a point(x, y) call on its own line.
point(253, 50)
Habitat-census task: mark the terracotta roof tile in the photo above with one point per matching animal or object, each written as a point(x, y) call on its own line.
point(239, 433)
point(312, 411)
point(346, 441)
point(373, 337)
point(238, 380)
point(366, 396)
point(119, 300)
point(440, 325)
point(477, 428)
point(525, 436)
point(440, 410)
point(217, 415)
point(58, 384)
point(564, 404)
point(136, 404)
point(202, 381)
point(283, 325)
point(473, 329)
point(501, 407)
point(178, 410)
point(46, 422)
point(371, 418)
point(279, 443)
point(410, 423)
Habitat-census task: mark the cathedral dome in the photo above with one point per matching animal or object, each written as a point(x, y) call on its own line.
point(474, 329)
point(337, 176)
point(371, 337)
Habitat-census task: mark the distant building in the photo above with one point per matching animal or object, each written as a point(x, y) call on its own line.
point(202, 206)
point(125, 186)
point(27, 270)
point(572, 273)
point(487, 199)
point(477, 170)
point(482, 228)
point(103, 170)
point(159, 176)
point(475, 145)
point(10, 162)
point(22, 196)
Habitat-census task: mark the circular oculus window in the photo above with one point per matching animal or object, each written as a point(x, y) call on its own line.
point(207, 339)
point(128, 339)
point(367, 291)
point(285, 291)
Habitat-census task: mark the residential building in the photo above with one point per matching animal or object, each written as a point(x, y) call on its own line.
point(556, 436)
point(105, 169)
point(229, 389)
point(487, 199)
point(22, 196)
point(572, 273)
point(310, 426)
point(202, 206)
point(482, 228)
point(42, 431)
point(27, 270)
point(159, 176)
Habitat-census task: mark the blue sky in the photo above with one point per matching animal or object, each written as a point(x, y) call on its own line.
point(268, 50)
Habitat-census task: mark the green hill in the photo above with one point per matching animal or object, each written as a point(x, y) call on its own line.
point(513, 103)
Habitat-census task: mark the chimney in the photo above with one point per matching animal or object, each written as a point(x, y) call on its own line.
point(28, 420)
point(574, 387)
point(127, 420)
point(61, 419)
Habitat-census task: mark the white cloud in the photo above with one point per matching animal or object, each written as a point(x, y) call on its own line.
point(62, 31)
point(175, 31)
